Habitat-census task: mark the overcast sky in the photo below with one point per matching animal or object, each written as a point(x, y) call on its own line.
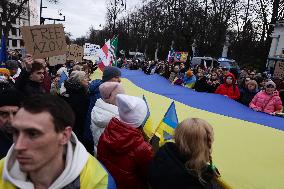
point(80, 14)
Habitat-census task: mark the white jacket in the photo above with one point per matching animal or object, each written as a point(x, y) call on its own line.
point(101, 114)
point(76, 159)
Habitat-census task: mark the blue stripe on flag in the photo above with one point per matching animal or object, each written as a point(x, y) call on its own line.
point(170, 123)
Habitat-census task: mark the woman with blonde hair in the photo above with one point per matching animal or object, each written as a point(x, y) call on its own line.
point(187, 163)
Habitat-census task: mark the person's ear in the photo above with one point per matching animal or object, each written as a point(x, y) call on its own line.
point(66, 135)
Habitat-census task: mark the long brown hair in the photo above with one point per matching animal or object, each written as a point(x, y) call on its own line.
point(194, 138)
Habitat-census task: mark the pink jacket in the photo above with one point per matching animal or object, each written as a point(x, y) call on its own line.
point(265, 103)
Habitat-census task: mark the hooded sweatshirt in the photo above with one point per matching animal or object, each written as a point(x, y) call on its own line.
point(101, 114)
point(232, 90)
point(76, 159)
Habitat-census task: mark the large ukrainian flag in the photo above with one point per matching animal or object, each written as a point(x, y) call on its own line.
point(248, 148)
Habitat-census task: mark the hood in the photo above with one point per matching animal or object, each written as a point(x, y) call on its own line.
point(76, 158)
point(103, 112)
point(74, 87)
point(230, 75)
point(121, 137)
point(94, 86)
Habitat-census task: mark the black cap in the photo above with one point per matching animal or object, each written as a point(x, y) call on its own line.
point(11, 97)
point(110, 72)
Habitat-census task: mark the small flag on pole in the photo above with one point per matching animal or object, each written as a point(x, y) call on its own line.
point(167, 126)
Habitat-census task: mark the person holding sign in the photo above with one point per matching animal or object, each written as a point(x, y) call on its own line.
point(31, 78)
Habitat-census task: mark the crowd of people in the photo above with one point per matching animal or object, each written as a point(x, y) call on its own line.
point(256, 90)
point(60, 129)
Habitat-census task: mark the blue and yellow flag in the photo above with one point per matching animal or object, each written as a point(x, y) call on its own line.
point(148, 127)
point(167, 126)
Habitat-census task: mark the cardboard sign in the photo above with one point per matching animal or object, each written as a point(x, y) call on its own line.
point(75, 53)
point(44, 40)
point(54, 60)
point(279, 69)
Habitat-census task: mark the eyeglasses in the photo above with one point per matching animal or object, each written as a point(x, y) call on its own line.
point(229, 78)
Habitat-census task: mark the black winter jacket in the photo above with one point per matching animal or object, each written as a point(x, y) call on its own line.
point(168, 171)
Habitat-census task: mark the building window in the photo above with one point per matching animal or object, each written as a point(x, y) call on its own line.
point(14, 31)
point(13, 21)
point(14, 43)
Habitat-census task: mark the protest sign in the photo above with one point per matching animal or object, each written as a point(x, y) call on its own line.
point(54, 60)
point(181, 56)
point(279, 69)
point(90, 51)
point(44, 40)
point(75, 53)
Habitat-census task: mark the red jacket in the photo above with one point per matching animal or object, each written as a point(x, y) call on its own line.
point(125, 154)
point(232, 91)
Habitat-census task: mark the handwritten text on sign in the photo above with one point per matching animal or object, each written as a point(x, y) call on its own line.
point(279, 69)
point(44, 40)
point(75, 53)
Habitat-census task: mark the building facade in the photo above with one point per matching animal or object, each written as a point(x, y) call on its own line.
point(277, 44)
point(27, 18)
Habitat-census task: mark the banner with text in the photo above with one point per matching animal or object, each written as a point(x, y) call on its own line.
point(181, 56)
point(91, 51)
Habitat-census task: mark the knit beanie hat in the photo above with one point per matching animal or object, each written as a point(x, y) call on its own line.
point(11, 64)
point(77, 76)
point(4, 71)
point(109, 90)
point(189, 73)
point(131, 109)
point(270, 83)
point(11, 97)
point(110, 72)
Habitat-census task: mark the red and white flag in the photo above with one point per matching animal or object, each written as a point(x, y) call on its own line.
point(107, 54)
point(104, 56)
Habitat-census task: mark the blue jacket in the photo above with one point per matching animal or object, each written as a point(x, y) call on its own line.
point(94, 96)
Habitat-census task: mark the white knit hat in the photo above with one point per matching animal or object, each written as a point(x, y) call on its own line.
point(132, 110)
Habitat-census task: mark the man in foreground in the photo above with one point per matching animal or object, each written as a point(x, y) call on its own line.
point(46, 153)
